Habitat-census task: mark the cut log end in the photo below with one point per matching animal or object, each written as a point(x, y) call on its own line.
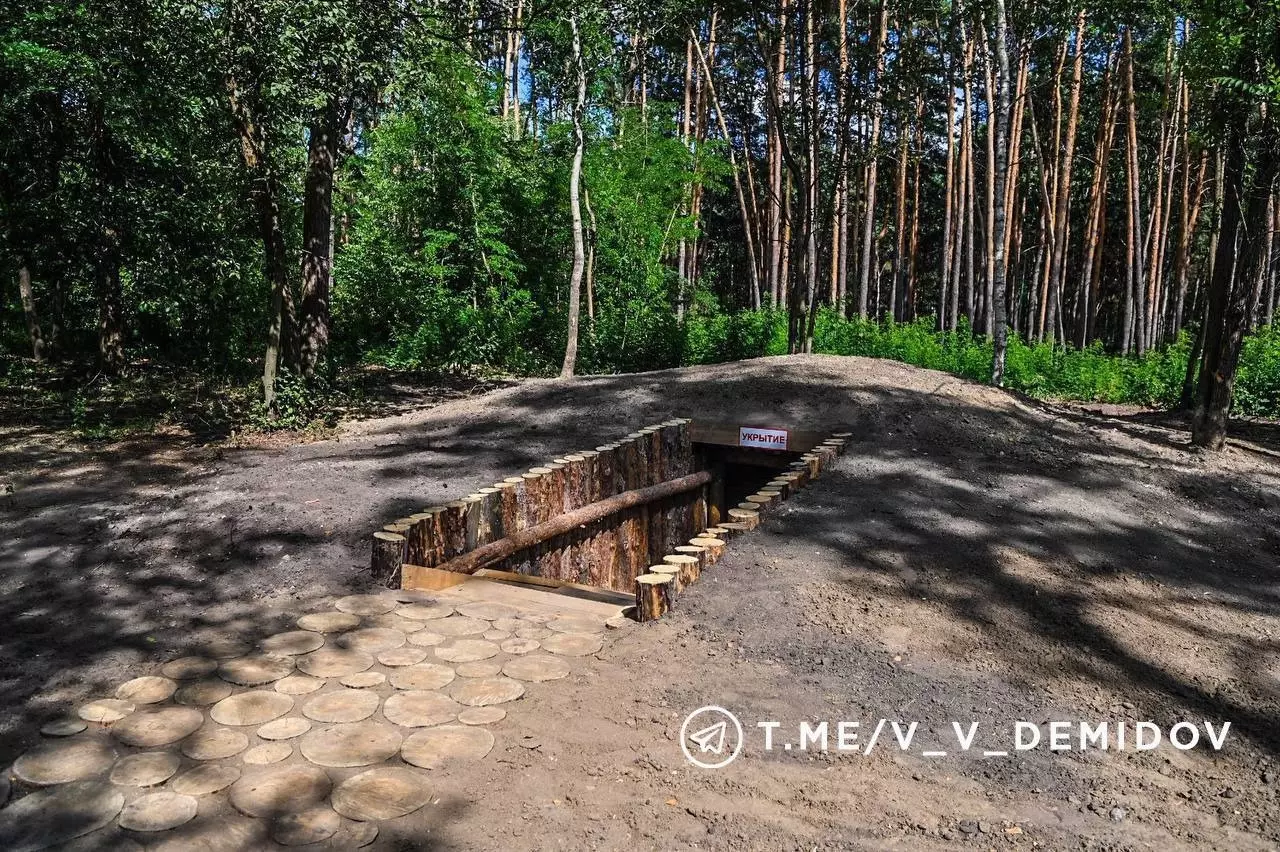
point(655, 595)
point(387, 558)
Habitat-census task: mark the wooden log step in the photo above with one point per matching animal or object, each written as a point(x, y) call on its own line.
point(672, 571)
point(687, 564)
point(736, 527)
point(388, 555)
point(713, 546)
point(698, 553)
point(750, 517)
point(654, 596)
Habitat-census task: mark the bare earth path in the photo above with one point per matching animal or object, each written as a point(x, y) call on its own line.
point(972, 558)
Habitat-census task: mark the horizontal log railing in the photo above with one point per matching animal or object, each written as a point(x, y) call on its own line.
point(481, 557)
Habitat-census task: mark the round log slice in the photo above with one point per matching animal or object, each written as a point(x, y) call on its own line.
point(519, 647)
point(267, 753)
point(150, 689)
point(64, 727)
point(406, 656)
point(446, 745)
point(422, 676)
point(371, 640)
point(298, 684)
point(425, 611)
point(511, 625)
point(214, 743)
point(366, 604)
point(306, 827)
point(225, 647)
point(467, 651)
point(496, 635)
point(344, 705)
point(460, 625)
point(387, 792)
point(488, 611)
point(482, 715)
point(535, 632)
point(146, 769)
point(256, 669)
point(536, 668)
point(155, 727)
point(158, 812)
point(105, 710)
point(63, 762)
point(573, 644)
point(363, 680)
point(329, 622)
point(206, 780)
point(426, 638)
point(483, 691)
point(49, 817)
point(232, 833)
point(352, 744)
point(419, 709)
point(284, 790)
point(292, 643)
point(202, 693)
point(251, 708)
point(284, 729)
point(335, 662)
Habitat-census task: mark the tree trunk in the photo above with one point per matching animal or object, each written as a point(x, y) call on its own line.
point(317, 238)
point(1057, 263)
point(1236, 269)
point(1001, 341)
point(868, 227)
point(1138, 288)
point(945, 280)
point(27, 294)
point(264, 190)
point(575, 207)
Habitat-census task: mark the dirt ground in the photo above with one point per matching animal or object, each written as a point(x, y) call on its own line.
point(974, 557)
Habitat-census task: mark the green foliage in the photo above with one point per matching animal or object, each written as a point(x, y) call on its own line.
point(1257, 389)
point(1035, 369)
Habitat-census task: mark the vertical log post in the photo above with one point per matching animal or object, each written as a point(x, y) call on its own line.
point(714, 548)
point(654, 596)
point(672, 571)
point(387, 558)
point(687, 564)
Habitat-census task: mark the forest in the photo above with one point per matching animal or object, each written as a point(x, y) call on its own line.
point(1070, 201)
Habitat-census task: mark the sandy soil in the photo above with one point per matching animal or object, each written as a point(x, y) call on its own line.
point(974, 557)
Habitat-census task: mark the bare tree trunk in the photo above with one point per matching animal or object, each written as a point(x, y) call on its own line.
point(970, 182)
point(1095, 226)
point(945, 280)
point(317, 238)
point(748, 227)
point(1001, 341)
point(989, 252)
point(1235, 272)
point(1135, 205)
point(575, 208)
point(27, 295)
point(844, 109)
point(1057, 272)
point(868, 227)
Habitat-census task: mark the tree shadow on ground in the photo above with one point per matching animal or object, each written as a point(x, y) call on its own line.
point(946, 487)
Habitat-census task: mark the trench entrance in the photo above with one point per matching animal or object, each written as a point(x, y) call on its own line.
point(592, 522)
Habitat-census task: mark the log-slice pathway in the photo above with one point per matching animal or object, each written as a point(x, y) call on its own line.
point(315, 737)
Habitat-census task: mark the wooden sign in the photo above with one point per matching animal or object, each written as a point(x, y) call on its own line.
point(764, 439)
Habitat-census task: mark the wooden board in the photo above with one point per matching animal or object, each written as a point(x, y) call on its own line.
point(729, 435)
